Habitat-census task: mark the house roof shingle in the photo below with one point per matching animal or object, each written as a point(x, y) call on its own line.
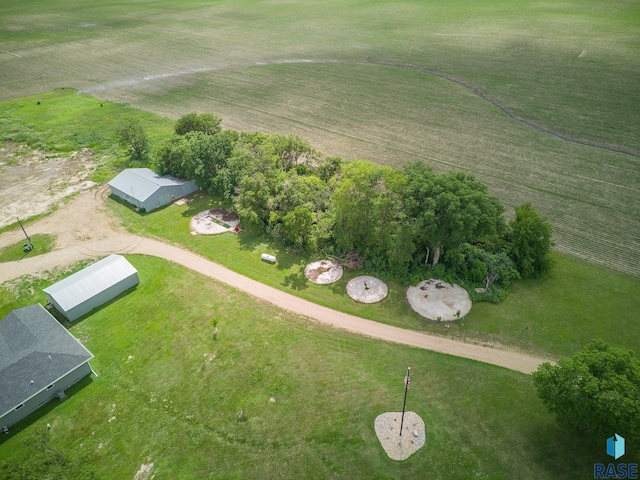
point(34, 347)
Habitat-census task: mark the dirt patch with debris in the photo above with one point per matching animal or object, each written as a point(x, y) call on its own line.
point(32, 181)
point(323, 272)
point(214, 221)
point(438, 300)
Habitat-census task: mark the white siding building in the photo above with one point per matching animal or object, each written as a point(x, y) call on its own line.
point(92, 286)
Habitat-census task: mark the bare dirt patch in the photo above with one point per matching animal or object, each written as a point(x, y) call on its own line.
point(214, 221)
point(32, 181)
point(438, 300)
point(144, 473)
point(323, 272)
point(83, 219)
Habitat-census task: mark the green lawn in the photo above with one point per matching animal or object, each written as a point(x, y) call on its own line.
point(555, 315)
point(168, 394)
point(42, 243)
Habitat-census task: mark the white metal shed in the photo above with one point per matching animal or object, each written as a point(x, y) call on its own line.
point(92, 286)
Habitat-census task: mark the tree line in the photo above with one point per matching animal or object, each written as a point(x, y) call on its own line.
point(402, 223)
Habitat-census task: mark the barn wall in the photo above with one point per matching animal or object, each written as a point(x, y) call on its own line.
point(101, 298)
point(45, 395)
point(166, 194)
point(54, 303)
point(125, 196)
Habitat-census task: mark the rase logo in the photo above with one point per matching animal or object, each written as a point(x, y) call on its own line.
point(615, 449)
point(615, 446)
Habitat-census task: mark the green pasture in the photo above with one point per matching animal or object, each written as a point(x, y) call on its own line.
point(168, 394)
point(63, 121)
point(42, 243)
point(385, 81)
point(555, 315)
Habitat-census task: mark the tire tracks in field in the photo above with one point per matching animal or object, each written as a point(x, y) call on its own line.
point(467, 86)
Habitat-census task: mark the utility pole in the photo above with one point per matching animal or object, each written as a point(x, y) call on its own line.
point(27, 247)
point(407, 386)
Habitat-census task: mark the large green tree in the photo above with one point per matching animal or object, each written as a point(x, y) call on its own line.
point(196, 156)
point(596, 391)
point(368, 214)
point(131, 135)
point(291, 149)
point(530, 241)
point(193, 122)
point(447, 210)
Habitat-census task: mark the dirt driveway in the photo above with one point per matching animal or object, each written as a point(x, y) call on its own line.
point(85, 230)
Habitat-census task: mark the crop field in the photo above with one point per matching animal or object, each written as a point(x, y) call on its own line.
point(168, 394)
point(538, 99)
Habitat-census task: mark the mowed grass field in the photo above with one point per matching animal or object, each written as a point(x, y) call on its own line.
point(384, 81)
point(169, 394)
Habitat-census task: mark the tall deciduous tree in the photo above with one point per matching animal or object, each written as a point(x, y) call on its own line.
point(131, 135)
point(447, 210)
point(596, 391)
point(368, 214)
point(196, 156)
point(530, 241)
point(290, 149)
point(193, 122)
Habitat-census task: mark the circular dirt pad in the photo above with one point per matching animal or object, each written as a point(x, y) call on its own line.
point(435, 299)
point(367, 289)
point(323, 272)
point(212, 222)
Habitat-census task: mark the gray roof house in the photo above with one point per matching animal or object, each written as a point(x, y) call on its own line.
point(92, 286)
point(146, 189)
point(39, 360)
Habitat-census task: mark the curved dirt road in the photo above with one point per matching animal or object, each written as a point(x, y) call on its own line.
point(94, 242)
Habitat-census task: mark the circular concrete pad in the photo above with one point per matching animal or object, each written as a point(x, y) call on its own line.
point(367, 289)
point(323, 272)
point(435, 299)
point(209, 222)
point(387, 427)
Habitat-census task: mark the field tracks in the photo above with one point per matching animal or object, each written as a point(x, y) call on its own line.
point(449, 78)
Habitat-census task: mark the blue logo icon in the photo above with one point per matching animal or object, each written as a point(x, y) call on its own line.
point(615, 446)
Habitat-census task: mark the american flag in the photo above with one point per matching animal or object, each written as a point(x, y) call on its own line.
point(407, 381)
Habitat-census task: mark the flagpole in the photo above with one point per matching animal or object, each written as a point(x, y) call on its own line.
point(406, 389)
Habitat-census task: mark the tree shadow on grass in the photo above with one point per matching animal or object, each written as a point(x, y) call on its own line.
point(296, 281)
point(198, 202)
point(249, 238)
point(563, 454)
